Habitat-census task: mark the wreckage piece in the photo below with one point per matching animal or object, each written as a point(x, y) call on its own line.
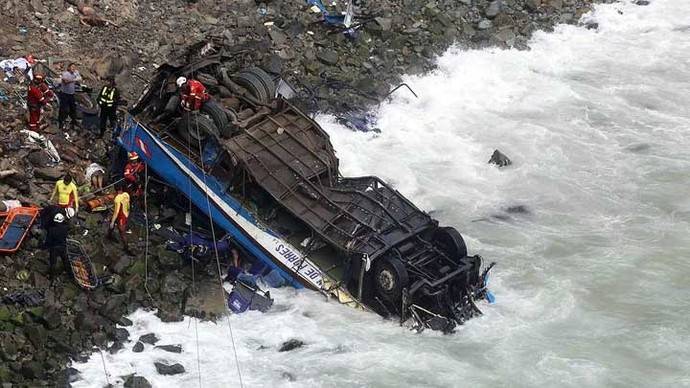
point(16, 225)
point(274, 185)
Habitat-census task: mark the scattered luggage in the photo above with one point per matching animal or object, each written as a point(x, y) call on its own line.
point(244, 297)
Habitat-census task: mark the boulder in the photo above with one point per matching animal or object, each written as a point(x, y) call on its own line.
point(37, 335)
point(50, 173)
point(149, 338)
point(135, 381)
point(165, 369)
point(170, 348)
point(493, 9)
point(115, 307)
point(290, 344)
point(499, 159)
point(138, 347)
point(328, 57)
point(121, 334)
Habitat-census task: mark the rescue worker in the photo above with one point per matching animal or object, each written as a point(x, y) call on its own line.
point(66, 192)
point(193, 94)
point(133, 174)
point(56, 241)
point(120, 216)
point(68, 105)
point(39, 96)
point(107, 101)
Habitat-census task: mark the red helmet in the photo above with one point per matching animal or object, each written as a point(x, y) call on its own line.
point(133, 155)
point(30, 58)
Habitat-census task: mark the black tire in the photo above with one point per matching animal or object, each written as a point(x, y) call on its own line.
point(390, 278)
point(217, 113)
point(229, 130)
point(196, 127)
point(265, 79)
point(258, 83)
point(450, 241)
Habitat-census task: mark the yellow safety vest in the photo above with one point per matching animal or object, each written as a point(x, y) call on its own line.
point(107, 97)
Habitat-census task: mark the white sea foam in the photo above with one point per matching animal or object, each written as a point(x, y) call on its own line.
point(592, 284)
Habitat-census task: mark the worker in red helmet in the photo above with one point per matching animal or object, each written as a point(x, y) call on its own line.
point(133, 174)
point(193, 94)
point(39, 96)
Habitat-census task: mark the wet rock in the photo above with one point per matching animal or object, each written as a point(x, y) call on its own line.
point(328, 57)
point(116, 347)
point(517, 209)
point(642, 2)
point(124, 321)
point(121, 334)
point(291, 344)
point(138, 347)
point(149, 338)
point(135, 381)
point(72, 375)
point(170, 348)
point(173, 283)
point(165, 369)
point(115, 307)
point(499, 159)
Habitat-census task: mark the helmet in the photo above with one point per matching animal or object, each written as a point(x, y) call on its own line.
point(181, 81)
point(59, 218)
point(39, 77)
point(133, 155)
point(69, 212)
point(30, 58)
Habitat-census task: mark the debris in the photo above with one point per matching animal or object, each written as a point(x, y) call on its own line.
point(165, 369)
point(291, 344)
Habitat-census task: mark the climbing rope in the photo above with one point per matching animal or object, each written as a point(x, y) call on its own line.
point(146, 220)
point(189, 191)
point(105, 370)
point(215, 248)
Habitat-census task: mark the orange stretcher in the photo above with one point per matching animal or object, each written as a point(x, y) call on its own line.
point(16, 225)
point(100, 203)
point(83, 271)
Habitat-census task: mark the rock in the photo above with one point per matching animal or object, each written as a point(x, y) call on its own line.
point(288, 376)
point(532, 5)
point(37, 335)
point(165, 369)
point(641, 2)
point(122, 264)
point(499, 159)
point(493, 9)
point(51, 173)
point(149, 338)
point(384, 23)
point(39, 159)
point(138, 347)
point(173, 283)
point(121, 334)
point(135, 381)
point(505, 35)
point(328, 57)
point(170, 348)
point(484, 24)
point(8, 347)
point(116, 347)
point(32, 370)
point(518, 209)
point(290, 345)
point(277, 36)
point(72, 375)
point(124, 321)
point(115, 307)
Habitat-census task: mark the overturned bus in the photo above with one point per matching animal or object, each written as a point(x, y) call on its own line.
point(267, 174)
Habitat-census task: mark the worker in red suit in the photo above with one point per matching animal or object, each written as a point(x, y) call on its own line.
point(193, 94)
point(39, 96)
point(134, 174)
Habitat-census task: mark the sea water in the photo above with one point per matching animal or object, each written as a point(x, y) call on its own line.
point(593, 274)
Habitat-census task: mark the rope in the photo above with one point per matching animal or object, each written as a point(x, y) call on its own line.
point(89, 195)
point(105, 370)
point(196, 319)
point(146, 219)
point(215, 248)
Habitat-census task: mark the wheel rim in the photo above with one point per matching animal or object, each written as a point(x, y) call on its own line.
point(386, 280)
